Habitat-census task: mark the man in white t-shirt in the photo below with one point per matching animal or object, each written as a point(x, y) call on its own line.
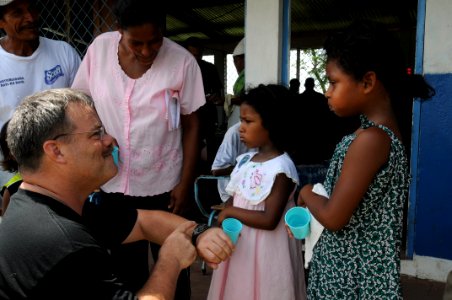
point(231, 147)
point(29, 63)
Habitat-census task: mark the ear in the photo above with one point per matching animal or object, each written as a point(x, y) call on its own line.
point(52, 150)
point(369, 80)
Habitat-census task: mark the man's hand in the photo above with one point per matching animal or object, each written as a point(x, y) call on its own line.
point(176, 254)
point(214, 246)
point(178, 245)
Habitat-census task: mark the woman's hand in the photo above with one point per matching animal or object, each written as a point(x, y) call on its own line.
point(178, 200)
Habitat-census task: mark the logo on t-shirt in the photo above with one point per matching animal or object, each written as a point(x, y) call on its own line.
point(12, 81)
point(244, 160)
point(52, 75)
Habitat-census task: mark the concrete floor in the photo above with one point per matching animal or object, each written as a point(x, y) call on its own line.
point(413, 288)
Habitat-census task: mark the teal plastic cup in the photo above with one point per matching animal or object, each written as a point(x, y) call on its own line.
point(232, 228)
point(115, 154)
point(298, 219)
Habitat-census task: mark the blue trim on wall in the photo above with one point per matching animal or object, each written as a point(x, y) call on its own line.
point(434, 192)
point(418, 69)
point(285, 51)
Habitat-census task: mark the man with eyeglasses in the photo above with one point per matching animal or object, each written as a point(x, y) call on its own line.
point(147, 90)
point(54, 243)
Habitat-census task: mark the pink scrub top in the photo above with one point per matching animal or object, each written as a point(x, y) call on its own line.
point(141, 113)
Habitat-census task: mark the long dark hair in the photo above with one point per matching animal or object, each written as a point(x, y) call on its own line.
point(366, 46)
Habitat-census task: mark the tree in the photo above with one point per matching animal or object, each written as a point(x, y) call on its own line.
point(312, 64)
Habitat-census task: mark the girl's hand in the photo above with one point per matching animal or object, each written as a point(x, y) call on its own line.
point(223, 215)
point(304, 189)
point(289, 233)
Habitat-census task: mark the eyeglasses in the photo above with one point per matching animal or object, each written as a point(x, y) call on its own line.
point(97, 133)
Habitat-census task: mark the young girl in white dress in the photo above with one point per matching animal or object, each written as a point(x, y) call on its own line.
point(266, 263)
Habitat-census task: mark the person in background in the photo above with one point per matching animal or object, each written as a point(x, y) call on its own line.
point(29, 63)
point(226, 158)
point(358, 253)
point(147, 90)
point(266, 264)
point(8, 164)
point(213, 90)
point(55, 241)
point(232, 102)
point(319, 130)
point(294, 86)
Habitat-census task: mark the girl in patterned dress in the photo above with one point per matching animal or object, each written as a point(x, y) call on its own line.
point(266, 264)
point(357, 255)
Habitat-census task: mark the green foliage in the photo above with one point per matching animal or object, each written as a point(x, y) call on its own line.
point(312, 64)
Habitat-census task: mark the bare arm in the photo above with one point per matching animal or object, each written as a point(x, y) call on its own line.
point(156, 226)
point(190, 136)
point(274, 207)
point(176, 254)
point(223, 172)
point(365, 156)
point(236, 100)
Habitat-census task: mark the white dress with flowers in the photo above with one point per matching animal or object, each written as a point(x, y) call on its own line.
point(266, 264)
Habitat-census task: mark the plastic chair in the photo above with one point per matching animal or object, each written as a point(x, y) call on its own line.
point(213, 210)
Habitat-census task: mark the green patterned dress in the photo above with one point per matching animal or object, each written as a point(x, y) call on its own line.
point(361, 261)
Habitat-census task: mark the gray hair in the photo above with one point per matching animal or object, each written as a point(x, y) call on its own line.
point(41, 117)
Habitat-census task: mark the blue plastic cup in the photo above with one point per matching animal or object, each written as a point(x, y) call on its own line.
point(232, 228)
point(115, 154)
point(298, 219)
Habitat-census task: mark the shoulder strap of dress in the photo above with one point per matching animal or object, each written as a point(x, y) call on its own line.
point(366, 123)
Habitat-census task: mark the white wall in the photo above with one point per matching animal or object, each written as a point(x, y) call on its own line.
point(425, 267)
point(438, 37)
point(263, 31)
point(430, 225)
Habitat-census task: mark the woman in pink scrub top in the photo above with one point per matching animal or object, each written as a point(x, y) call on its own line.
point(147, 90)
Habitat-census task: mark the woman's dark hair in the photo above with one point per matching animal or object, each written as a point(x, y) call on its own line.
point(8, 163)
point(273, 103)
point(366, 46)
point(131, 13)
